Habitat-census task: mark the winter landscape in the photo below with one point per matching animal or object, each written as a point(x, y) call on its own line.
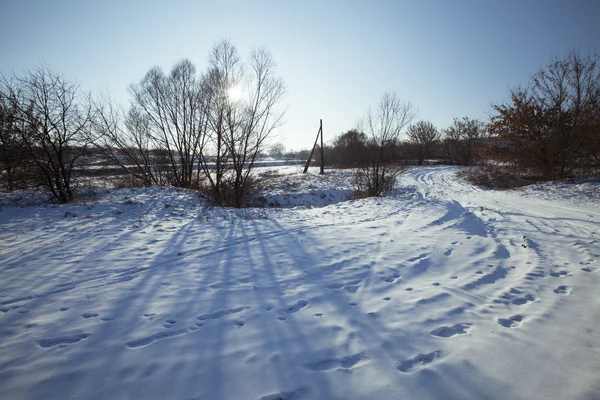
point(299, 200)
point(439, 291)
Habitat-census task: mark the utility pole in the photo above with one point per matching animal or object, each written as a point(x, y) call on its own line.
point(320, 133)
point(322, 156)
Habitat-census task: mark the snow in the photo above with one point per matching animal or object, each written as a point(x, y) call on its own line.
point(440, 291)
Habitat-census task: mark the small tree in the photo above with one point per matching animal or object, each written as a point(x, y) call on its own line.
point(378, 171)
point(54, 124)
point(424, 136)
point(277, 150)
point(463, 139)
point(348, 148)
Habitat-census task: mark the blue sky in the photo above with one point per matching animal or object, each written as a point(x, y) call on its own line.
point(449, 58)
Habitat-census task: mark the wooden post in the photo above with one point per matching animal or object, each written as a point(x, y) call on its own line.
point(322, 157)
point(313, 149)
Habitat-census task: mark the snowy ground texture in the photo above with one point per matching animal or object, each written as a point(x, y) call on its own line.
point(441, 291)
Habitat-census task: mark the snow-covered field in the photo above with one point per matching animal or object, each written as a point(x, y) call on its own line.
point(441, 291)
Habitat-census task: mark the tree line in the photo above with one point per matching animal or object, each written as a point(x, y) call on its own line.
point(205, 130)
point(182, 128)
point(547, 130)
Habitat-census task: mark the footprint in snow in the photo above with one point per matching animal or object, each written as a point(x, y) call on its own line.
point(89, 315)
point(292, 395)
point(563, 289)
point(169, 323)
point(436, 284)
point(392, 278)
point(145, 341)
point(344, 363)
point(536, 274)
point(511, 322)
point(560, 274)
point(510, 297)
point(221, 313)
point(587, 269)
point(420, 359)
point(297, 307)
point(351, 288)
point(62, 340)
point(449, 331)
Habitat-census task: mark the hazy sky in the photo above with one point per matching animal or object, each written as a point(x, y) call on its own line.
point(450, 58)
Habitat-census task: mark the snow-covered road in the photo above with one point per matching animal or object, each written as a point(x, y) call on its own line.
point(443, 291)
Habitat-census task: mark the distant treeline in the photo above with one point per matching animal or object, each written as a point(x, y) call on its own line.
point(208, 131)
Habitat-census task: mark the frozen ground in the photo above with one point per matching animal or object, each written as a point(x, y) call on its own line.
point(442, 291)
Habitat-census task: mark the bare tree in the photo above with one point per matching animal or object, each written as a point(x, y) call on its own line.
point(551, 127)
point(277, 150)
point(424, 136)
point(243, 112)
point(383, 126)
point(463, 139)
point(259, 117)
point(13, 158)
point(170, 111)
point(54, 121)
point(126, 140)
point(224, 75)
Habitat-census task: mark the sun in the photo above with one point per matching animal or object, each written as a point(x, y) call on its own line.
point(234, 93)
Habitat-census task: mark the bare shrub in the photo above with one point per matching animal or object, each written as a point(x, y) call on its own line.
point(53, 121)
point(495, 177)
point(379, 168)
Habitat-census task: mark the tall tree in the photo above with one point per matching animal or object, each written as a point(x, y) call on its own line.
point(173, 108)
point(243, 112)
